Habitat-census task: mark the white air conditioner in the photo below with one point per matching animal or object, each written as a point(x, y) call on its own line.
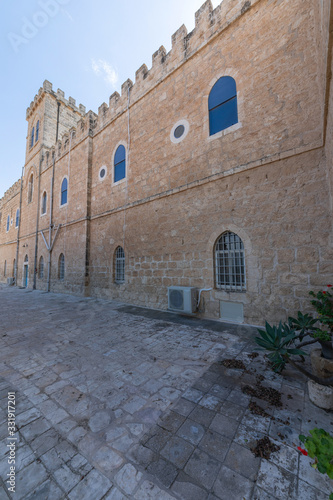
point(182, 299)
point(10, 281)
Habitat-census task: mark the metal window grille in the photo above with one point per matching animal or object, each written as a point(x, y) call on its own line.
point(44, 203)
point(41, 268)
point(230, 263)
point(120, 266)
point(62, 266)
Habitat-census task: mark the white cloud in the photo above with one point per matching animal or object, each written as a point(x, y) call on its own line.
point(105, 70)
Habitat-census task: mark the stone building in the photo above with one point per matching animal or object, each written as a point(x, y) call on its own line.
point(213, 171)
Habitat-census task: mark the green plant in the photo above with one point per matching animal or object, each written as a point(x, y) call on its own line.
point(286, 340)
point(320, 447)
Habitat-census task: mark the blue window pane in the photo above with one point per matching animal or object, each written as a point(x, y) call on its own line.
point(120, 155)
point(64, 192)
point(37, 131)
point(8, 223)
point(17, 218)
point(119, 171)
point(32, 137)
point(223, 116)
point(223, 90)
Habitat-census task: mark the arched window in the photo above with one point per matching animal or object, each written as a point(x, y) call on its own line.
point(222, 105)
point(17, 218)
point(61, 267)
point(64, 191)
point(5, 269)
point(37, 131)
point(119, 265)
point(44, 200)
point(120, 164)
point(8, 221)
point(32, 137)
point(230, 263)
point(41, 268)
point(30, 188)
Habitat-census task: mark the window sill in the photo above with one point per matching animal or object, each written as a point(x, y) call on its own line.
point(226, 131)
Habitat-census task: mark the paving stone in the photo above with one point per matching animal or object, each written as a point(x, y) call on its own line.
point(225, 426)
point(243, 461)
point(278, 482)
point(187, 489)
point(45, 442)
point(191, 431)
point(128, 478)
point(285, 457)
point(164, 471)
point(260, 494)
point(170, 393)
point(183, 407)
point(28, 479)
point(215, 445)
point(51, 460)
point(135, 404)
point(171, 422)
point(236, 396)
point(307, 492)
point(149, 491)
point(311, 476)
point(229, 485)
point(47, 490)
point(66, 478)
point(93, 486)
point(157, 439)
point(76, 434)
point(177, 451)
point(210, 402)
point(65, 450)
point(115, 494)
point(193, 395)
point(141, 455)
point(107, 459)
point(114, 433)
point(35, 428)
point(99, 421)
point(136, 429)
point(246, 436)
point(27, 416)
point(123, 444)
point(80, 464)
point(203, 468)
point(202, 385)
point(232, 410)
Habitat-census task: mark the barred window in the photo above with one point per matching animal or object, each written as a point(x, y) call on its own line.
point(119, 265)
point(230, 263)
point(41, 268)
point(61, 267)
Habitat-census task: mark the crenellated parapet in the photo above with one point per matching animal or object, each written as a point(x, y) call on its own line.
point(208, 23)
point(12, 191)
point(59, 95)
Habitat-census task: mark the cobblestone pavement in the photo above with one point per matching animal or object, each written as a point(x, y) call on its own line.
point(116, 402)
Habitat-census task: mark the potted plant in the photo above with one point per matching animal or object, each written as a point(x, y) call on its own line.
point(285, 341)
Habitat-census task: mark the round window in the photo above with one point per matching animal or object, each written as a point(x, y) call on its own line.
point(179, 131)
point(102, 173)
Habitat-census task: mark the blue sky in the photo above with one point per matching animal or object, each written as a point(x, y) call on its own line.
point(87, 49)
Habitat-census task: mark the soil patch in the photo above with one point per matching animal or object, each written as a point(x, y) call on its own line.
point(264, 448)
point(233, 363)
point(257, 410)
point(253, 355)
point(272, 396)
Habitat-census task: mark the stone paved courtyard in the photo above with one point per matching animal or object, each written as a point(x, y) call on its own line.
point(116, 402)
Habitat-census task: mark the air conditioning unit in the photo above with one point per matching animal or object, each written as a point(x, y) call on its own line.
point(182, 299)
point(10, 281)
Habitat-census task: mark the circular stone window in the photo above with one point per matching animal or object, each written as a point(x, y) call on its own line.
point(102, 173)
point(179, 131)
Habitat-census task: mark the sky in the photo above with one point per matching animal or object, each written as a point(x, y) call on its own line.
point(87, 49)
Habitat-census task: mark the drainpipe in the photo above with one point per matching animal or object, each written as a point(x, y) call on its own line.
point(18, 230)
point(51, 224)
point(37, 222)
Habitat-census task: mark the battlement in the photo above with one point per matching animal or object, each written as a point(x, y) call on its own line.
point(59, 95)
point(12, 191)
point(208, 22)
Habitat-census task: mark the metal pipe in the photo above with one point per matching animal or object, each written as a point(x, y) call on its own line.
point(37, 222)
point(18, 230)
point(50, 225)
